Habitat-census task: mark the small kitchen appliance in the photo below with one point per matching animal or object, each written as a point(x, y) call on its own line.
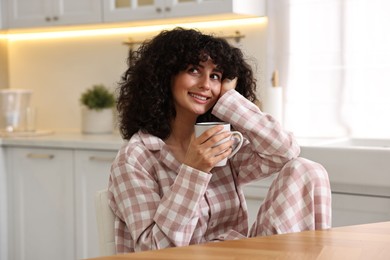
point(14, 110)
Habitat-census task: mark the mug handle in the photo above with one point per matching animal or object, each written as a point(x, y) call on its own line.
point(238, 145)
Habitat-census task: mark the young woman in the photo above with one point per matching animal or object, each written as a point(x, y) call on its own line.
point(164, 188)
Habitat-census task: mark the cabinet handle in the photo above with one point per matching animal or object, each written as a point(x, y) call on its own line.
point(101, 159)
point(158, 10)
point(167, 9)
point(40, 156)
point(55, 18)
point(249, 197)
point(47, 19)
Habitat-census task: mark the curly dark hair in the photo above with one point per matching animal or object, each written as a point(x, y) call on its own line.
point(145, 99)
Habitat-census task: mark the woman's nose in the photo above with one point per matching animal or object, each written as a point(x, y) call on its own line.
point(204, 82)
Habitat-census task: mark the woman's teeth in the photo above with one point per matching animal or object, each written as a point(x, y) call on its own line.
point(199, 97)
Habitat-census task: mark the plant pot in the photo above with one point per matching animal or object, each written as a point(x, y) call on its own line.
point(97, 121)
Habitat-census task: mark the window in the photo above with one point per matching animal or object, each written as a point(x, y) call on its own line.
point(334, 61)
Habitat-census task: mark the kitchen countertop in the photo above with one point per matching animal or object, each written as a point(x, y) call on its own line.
point(78, 140)
point(71, 140)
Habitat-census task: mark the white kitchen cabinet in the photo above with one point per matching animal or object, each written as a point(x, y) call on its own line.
point(43, 13)
point(1, 15)
point(92, 170)
point(41, 198)
point(48, 210)
point(133, 10)
point(353, 209)
point(255, 194)
point(51, 210)
point(3, 208)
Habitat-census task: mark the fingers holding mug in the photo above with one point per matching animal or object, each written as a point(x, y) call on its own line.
point(221, 143)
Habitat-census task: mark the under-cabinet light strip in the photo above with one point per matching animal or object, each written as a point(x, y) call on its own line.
point(128, 30)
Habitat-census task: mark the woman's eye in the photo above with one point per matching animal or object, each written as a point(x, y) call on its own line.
point(215, 76)
point(193, 70)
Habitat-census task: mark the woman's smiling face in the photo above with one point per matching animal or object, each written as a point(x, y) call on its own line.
point(196, 89)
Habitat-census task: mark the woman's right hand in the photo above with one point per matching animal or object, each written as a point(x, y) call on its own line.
point(227, 85)
point(203, 153)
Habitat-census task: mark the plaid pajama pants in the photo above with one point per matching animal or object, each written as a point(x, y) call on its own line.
point(298, 199)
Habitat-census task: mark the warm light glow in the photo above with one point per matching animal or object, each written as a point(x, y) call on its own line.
point(128, 30)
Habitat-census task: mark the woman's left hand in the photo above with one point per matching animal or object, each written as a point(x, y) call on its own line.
point(228, 84)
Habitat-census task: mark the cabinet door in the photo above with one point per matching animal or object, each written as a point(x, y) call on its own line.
point(1, 17)
point(3, 208)
point(76, 12)
point(38, 13)
point(182, 8)
point(92, 170)
point(132, 10)
point(28, 13)
point(255, 193)
point(41, 199)
point(350, 209)
point(218, 9)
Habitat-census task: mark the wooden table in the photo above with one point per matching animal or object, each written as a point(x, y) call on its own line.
point(366, 242)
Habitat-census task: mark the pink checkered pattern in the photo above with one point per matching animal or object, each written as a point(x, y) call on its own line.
point(159, 202)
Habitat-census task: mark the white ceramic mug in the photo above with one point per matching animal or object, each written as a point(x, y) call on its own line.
point(201, 127)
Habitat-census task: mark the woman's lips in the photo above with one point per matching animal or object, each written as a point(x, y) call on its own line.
point(199, 97)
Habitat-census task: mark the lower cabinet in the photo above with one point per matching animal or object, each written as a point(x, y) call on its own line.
point(352, 209)
point(41, 204)
point(255, 193)
point(92, 170)
point(51, 210)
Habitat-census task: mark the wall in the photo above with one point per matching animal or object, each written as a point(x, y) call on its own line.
point(3, 63)
point(59, 70)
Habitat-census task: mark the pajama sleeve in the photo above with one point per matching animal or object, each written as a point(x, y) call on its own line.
point(267, 147)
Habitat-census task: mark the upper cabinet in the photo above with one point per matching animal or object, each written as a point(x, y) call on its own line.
point(38, 13)
point(133, 10)
point(1, 14)
point(49, 13)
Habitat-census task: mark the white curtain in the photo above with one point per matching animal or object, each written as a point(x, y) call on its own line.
point(333, 58)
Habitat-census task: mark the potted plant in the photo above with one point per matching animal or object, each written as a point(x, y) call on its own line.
point(97, 112)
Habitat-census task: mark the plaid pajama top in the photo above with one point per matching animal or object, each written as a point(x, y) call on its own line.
point(159, 202)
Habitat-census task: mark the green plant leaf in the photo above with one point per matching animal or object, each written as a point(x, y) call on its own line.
point(98, 97)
